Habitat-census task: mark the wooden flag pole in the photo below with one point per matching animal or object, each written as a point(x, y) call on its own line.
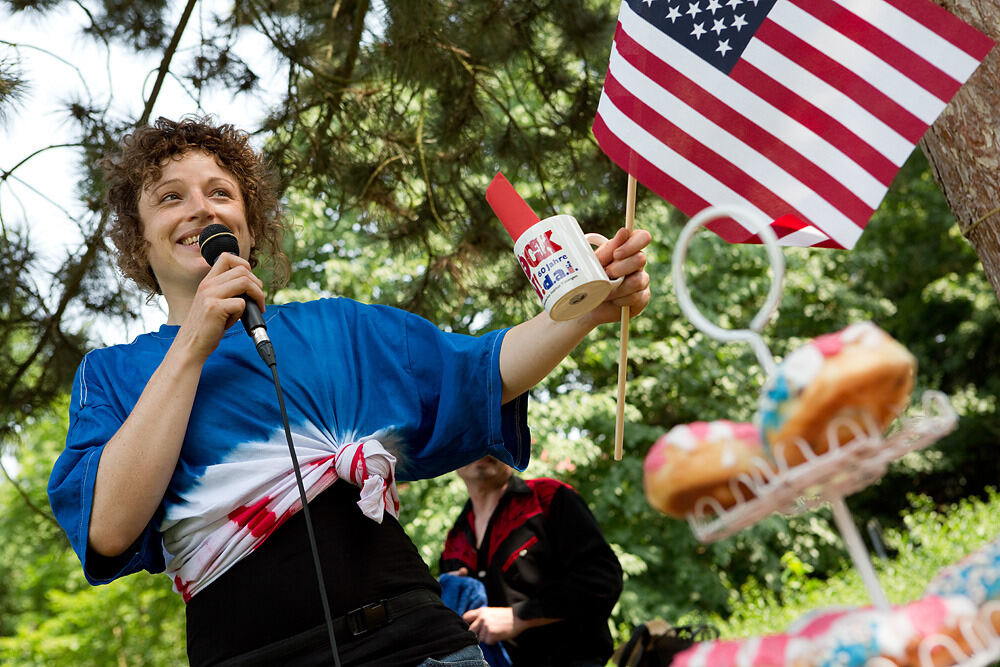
point(623, 353)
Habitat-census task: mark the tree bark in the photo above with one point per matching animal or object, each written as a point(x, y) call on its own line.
point(963, 145)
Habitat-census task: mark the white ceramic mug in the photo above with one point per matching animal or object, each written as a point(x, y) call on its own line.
point(560, 264)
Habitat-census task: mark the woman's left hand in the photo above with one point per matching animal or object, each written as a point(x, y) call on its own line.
point(623, 255)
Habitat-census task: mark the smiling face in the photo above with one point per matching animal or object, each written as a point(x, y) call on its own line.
point(192, 192)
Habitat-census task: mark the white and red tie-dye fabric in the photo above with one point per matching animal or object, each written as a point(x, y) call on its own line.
point(208, 531)
point(368, 465)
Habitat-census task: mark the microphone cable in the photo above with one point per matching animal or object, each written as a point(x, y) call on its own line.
point(213, 241)
point(305, 510)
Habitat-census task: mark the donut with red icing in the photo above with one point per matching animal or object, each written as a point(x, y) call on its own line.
point(792, 648)
point(859, 373)
point(702, 460)
point(769, 651)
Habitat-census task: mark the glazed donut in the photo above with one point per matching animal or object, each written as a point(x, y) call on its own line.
point(702, 459)
point(858, 370)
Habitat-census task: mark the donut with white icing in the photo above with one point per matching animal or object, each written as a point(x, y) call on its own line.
point(702, 460)
point(859, 373)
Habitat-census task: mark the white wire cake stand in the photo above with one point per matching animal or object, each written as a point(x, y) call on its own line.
point(844, 469)
point(830, 477)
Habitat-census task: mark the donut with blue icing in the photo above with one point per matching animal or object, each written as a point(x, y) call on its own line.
point(977, 576)
point(858, 373)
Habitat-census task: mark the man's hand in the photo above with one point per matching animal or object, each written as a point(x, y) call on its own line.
point(492, 625)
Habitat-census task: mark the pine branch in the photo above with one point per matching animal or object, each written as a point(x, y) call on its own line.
point(168, 55)
point(72, 288)
point(27, 499)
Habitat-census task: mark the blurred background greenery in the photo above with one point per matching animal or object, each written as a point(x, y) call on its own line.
point(397, 116)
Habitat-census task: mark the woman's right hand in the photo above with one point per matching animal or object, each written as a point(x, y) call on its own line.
point(218, 303)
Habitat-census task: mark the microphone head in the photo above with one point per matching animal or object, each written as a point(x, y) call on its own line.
point(215, 240)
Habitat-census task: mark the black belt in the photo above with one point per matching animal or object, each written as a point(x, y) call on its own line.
point(352, 625)
point(373, 616)
point(315, 643)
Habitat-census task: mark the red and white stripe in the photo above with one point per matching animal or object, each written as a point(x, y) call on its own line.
point(810, 126)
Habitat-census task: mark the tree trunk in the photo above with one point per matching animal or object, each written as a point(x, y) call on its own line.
point(963, 146)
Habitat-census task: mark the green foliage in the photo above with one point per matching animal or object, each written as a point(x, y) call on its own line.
point(930, 538)
point(135, 621)
point(397, 116)
point(49, 614)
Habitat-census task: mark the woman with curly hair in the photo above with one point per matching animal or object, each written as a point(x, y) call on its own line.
point(176, 458)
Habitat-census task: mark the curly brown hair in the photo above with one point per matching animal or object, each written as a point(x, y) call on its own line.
point(139, 161)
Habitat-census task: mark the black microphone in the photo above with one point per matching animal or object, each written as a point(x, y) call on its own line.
point(215, 240)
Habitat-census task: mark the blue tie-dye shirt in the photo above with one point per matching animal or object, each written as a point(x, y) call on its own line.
point(347, 371)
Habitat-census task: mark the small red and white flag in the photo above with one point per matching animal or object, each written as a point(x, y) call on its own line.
point(800, 110)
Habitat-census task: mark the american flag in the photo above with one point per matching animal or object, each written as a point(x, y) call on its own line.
point(800, 110)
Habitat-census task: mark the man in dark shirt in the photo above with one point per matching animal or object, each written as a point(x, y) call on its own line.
point(551, 579)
